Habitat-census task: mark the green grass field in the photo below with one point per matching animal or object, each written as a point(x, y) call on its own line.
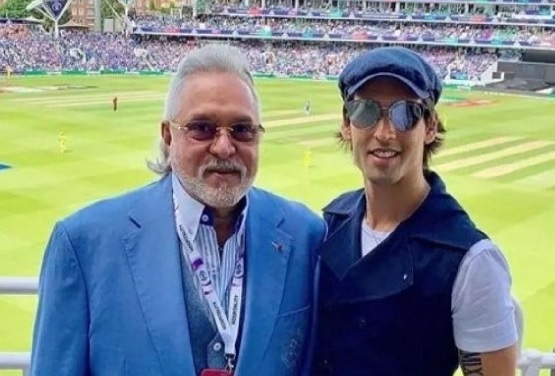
point(499, 160)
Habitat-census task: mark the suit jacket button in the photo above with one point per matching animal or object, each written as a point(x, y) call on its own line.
point(362, 323)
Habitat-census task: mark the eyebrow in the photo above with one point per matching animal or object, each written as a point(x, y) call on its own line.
point(235, 119)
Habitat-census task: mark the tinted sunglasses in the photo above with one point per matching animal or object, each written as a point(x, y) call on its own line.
point(205, 130)
point(403, 115)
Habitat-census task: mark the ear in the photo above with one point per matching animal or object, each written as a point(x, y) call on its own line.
point(346, 127)
point(431, 131)
point(165, 132)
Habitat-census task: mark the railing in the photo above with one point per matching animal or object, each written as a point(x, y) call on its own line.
point(530, 363)
point(17, 286)
point(15, 361)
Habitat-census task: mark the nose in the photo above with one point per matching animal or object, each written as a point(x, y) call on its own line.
point(223, 146)
point(384, 130)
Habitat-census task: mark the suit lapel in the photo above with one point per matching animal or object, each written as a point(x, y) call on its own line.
point(341, 254)
point(153, 252)
point(268, 250)
point(342, 248)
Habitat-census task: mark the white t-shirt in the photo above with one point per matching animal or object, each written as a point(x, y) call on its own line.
point(481, 303)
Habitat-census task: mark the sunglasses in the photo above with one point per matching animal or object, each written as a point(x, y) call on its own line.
point(205, 130)
point(403, 115)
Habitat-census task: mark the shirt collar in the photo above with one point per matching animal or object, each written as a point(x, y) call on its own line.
point(194, 213)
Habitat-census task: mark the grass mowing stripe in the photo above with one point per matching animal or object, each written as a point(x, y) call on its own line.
point(301, 120)
point(476, 160)
point(515, 166)
point(476, 146)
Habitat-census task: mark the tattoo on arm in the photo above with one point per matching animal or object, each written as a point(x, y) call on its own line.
point(471, 363)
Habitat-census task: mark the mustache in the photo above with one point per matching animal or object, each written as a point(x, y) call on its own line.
point(223, 166)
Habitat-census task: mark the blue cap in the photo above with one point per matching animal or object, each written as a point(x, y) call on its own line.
point(398, 62)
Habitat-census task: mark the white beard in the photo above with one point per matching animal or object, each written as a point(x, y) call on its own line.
point(224, 196)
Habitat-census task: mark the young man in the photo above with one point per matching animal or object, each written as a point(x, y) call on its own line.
point(408, 285)
point(198, 273)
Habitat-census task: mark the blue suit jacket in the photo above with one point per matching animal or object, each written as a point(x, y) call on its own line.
point(111, 298)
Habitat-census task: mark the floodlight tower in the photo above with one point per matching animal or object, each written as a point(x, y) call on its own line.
point(52, 9)
point(126, 5)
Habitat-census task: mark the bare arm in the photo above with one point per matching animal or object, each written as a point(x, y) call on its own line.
point(496, 363)
point(484, 319)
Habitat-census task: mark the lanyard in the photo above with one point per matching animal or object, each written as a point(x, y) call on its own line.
point(228, 326)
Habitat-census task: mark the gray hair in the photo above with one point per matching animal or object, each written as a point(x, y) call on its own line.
point(221, 58)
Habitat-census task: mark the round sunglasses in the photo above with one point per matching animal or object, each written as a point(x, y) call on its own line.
point(205, 130)
point(403, 115)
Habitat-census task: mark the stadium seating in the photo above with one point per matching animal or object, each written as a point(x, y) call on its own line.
point(24, 49)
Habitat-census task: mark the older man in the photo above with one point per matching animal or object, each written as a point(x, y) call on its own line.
point(195, 274)
point(408, 284)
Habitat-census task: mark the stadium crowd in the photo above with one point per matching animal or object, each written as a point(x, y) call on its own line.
point(436, 31)
point(23, 48)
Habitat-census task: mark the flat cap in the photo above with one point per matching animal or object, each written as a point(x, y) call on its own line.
point(398, 62)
